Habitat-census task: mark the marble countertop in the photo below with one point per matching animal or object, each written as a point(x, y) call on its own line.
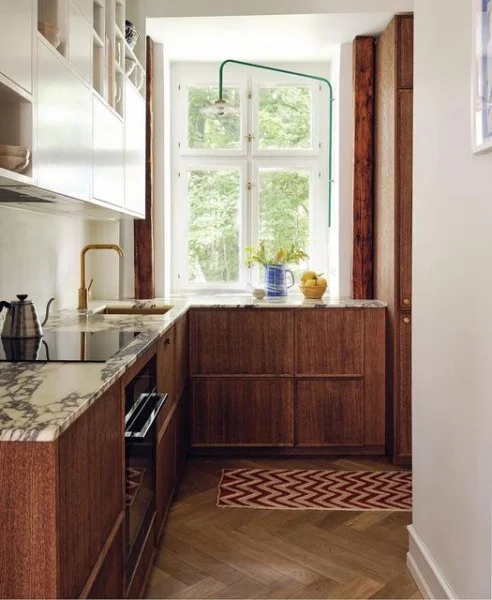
point(38, 401)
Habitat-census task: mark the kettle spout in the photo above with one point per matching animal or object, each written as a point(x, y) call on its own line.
point(4, 304)
point(47, 312)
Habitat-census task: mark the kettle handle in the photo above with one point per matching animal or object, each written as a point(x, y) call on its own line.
point(47, 312)
point(4, 304)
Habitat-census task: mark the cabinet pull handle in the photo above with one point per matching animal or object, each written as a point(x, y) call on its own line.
point(167, 341)
point(406, 301)
point(406, 320)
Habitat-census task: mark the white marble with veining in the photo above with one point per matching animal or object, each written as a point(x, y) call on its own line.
point(38, 401)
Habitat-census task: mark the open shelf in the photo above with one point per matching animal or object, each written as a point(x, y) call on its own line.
point(16, 120)
point(49, 11)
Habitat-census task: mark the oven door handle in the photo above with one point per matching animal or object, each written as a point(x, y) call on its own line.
point(153, 402)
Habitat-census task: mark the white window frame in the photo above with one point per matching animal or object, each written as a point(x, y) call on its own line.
point(249, 159)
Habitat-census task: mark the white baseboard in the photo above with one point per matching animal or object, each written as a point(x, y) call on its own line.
point(424, 570)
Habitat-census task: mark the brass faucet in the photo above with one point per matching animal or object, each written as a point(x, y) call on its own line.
point(83, 292)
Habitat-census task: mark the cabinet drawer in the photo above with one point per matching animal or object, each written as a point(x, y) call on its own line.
point(242, 412)
point(329, 413)
point(165, 473)
point(109, 580)
point(330, 341)
point(241, 341)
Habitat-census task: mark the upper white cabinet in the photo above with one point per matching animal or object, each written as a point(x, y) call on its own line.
point(108, 171)
point(17, 22)
point(70, 91)
point(134, 151)
point(63, 157)
point(80, 42)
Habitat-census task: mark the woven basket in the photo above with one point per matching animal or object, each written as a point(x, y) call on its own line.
point(313, 293)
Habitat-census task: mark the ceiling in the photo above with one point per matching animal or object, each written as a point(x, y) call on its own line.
point(313, 37)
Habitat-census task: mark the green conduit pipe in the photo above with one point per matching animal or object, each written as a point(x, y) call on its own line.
point(330, 126)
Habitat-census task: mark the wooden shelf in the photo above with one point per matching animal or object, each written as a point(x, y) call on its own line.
point(129, 53)
point(7, 176)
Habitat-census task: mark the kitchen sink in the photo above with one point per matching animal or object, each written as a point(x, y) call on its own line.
point(129, 310)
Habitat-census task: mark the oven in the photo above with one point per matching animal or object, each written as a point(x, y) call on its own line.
point(142, 405)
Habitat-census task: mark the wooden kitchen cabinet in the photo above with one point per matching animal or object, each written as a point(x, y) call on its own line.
point(329, 413)
point(241, 341)
point(403, 411)
point(165, 374)
point(393, 221)
point(62, 505)
point(242, 412)
point(330, 341)
point(181, 356)
point(165, 470)
point(91, 488)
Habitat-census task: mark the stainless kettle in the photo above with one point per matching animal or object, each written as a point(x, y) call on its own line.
point(22, 319)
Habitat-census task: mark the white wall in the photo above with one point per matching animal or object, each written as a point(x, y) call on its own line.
point(39, 256)
point(452, 328)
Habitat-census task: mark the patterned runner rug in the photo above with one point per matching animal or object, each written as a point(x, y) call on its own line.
point(301, 489)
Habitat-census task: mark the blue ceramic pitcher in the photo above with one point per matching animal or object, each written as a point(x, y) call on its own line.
point(276, 280)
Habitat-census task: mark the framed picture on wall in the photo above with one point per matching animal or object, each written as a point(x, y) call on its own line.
point(482, 76)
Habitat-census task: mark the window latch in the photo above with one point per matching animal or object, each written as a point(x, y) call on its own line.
point(250, 185)
point(250, 137)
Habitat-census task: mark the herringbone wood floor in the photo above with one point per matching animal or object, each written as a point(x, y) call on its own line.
point(209, 552)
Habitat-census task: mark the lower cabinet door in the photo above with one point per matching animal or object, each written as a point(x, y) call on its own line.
point(165, 469)
point(109, 580)
point(403, 408)
point(242, 412)
point(330, 413)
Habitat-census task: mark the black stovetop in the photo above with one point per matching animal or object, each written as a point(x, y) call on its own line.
point(66, 346)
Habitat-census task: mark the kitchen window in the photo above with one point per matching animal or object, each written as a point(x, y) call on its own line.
point(258, 172)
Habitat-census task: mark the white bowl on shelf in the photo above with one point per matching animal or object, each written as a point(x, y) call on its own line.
point(13, 163)
point(50, 32)
point(6, 149)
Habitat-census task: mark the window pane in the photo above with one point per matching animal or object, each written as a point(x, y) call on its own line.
point(284, 117)
point(284, 209)
point(207, 130)
point(213, 228)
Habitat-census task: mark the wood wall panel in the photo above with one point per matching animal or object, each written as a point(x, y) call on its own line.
point(143, 229)
point(242, 412)
point(28, 513)
point(241, 341)
point(329, 412)
point(363, 82)
point(330, 341)
point(405, 190)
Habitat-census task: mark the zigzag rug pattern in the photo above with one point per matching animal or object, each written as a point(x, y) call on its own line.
point(302, 489)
